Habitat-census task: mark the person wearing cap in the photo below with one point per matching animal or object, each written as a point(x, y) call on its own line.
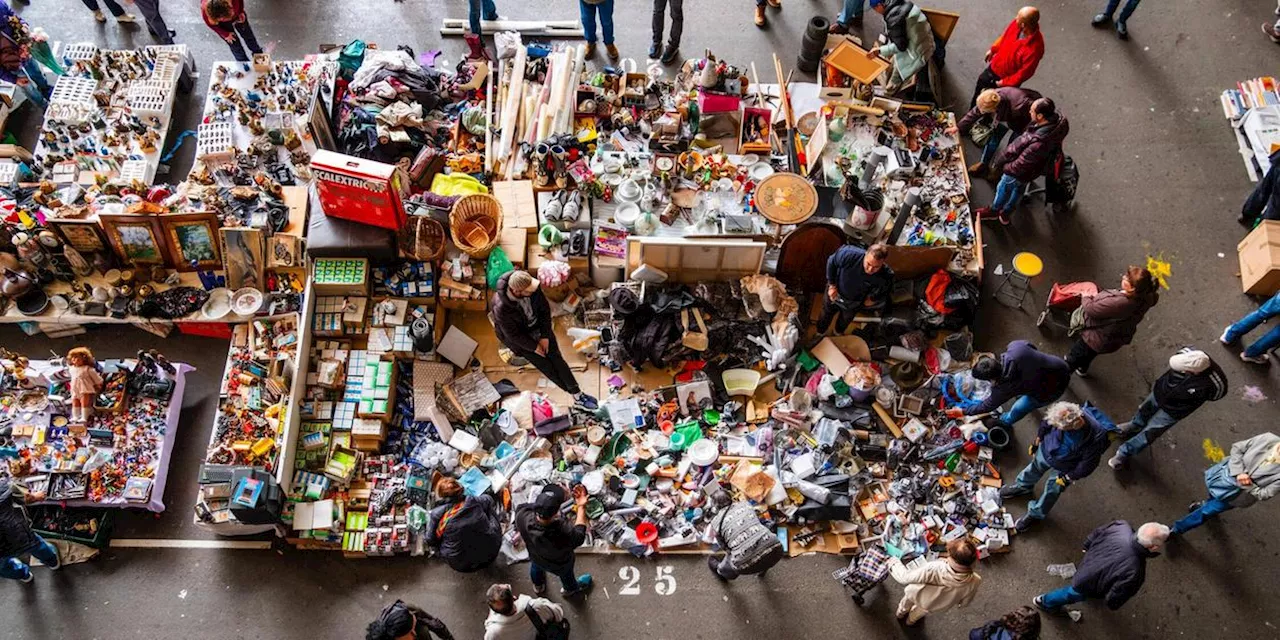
point(464, 530)
point(1009, 109)
point(400, 621)
point(511, 616)
point(910, 39)
point(1024, 372)
point(1193, 378)
point(552, 540)
point(939, 585)
point(1014, 56)
point(1068, 447)
point(16, 537)
point(750, 547)
point(522, 321)
point(857, 280)
point(1113, 568)
point(1249, 474)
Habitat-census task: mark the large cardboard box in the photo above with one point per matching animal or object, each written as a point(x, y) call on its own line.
point(1260, 259)
point(360, 190)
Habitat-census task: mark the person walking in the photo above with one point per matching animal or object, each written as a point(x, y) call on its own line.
point(589, 10)
point(1009, 110)
point(1263, 202)
point(761, 18)
point(1024, 372)
point(1249, 474)
point(1260, 351)
point(1193, 378)
point(750, 548)
point(1110, 319)
point(1273, 32)
point(522, 321)
point(910, 39)
point(1068, 447)
point(400, 621)
point(551, 540)
point(486, 9)
point(150, 10)
point(1027, 157)
point(939, 585)
point(16, 537)
point(1014, 56)
point(1022, 623)
point(121, 16)
point(17, 65)
point(464, 530)
point(228, 19)
point(857, 280)
point(1122, 22)
point(1113, 568)
point(668, 55)
point(513, 618)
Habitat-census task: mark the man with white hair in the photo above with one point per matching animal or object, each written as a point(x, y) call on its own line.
point(1068, 447)
point(1193, 379)
point(1113, 568)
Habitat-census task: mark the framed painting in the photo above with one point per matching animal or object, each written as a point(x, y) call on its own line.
point(137, 239)
point(244, 254)
point(85, 236)
point(193, 240)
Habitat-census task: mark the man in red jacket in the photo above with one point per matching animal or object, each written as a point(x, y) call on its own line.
point(1014, 56)
point(228, 19)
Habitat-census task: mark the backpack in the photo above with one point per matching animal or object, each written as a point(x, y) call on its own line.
point(553, 630)
point(1064, 177)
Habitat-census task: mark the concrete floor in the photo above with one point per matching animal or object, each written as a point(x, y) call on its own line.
point(1160, 174)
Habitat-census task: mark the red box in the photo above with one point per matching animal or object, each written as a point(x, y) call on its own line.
point(360, 190)
point(205, 329)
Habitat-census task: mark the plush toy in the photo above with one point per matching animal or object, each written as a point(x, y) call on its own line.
point(86, 382)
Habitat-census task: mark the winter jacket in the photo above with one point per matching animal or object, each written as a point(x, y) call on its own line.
point(469, 538)
point(518, 626)
point(1014, 59)
point(12, 55)
point(751, 546)
point(551, 545)
point(936, 586)
point(1031, 154)
point(1014, 110)
point(1264, 201)
point(895, 23)
point(16, 536)
point(910, 57)
point(1114, 564)
point(1179, 394)
point(223, 29)
point(994, 630)
point(846, 271)
point(1027, 371)
point(1251, 457)
point(1111, 319)
point(510, 323)
point(1080, 460)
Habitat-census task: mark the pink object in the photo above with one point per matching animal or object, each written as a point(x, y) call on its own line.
point(717, 102)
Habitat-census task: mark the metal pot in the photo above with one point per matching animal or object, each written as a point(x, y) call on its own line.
point(16, 283)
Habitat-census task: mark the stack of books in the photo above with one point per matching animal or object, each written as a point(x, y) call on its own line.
point(1250, 94)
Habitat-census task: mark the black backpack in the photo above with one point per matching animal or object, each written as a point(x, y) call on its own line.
point(553, 630)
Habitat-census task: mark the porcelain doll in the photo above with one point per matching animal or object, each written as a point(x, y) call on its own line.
point(86, 382)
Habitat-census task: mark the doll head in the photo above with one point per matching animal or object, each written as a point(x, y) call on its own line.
point(80, 357)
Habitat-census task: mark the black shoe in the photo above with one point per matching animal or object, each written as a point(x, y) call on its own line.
point(1195, 505)
point(713, 563)
point(669, 55)
point(1122, 31)
point(1013, 491)
point(655, 50)
point(1024, 523)
point(1100, 20)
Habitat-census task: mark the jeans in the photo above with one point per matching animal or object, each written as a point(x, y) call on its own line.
point(15, 569)
point(1152, 422)
point(1059, 598)
point(852, 11)
point(1208, 509)
point(241, 31)
point(1021, 407)
point(993, 143)
point(112, 6)
point(677, 21)
point(482, 8)
point(986, 80)
point(725, 569)
point(1039, 508)
point(553, 367)
point(1081, 355)
point(1266, 343)
point(37, 90)
point(1125, 13)
point(1008, 192)
point(567, 579)
point(150, 10)
point(589, 13)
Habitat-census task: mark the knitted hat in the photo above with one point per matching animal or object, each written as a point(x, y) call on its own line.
point(1189, 361)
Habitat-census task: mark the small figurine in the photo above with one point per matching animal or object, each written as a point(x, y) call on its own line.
point(86, 382)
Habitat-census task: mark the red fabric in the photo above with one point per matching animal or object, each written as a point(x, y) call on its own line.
point(1015, 59)
point(936, 292)
point(1067, 296)
point(222, 28)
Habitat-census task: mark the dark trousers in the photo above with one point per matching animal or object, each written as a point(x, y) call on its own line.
point(568, 581)
point(552, 366)
point(241, 31)
point(830, 309)
point(659, 21)
point(150, 10)
point(986, 80)
point(112, 6)
point(1081, 355)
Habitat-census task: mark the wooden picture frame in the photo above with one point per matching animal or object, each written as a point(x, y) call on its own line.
point(193, 237)
point(284, 252)
point(85, 236)
point(244, 256)
point(136, 239)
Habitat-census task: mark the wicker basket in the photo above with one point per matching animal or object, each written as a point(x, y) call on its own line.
point(423, 239)
point(474, 222)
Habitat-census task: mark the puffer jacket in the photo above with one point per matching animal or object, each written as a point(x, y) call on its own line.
point(470, 538)
point(1080, 460)
point(1111, 319)
point(1026, 371)
point(1031, 154)
point(509, 321)
point(1114, 565)
point(1014, 110)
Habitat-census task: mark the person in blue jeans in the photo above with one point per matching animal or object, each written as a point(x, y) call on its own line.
point(1068, 447)
point(1023, 372)
point(486, 9)
point(1250, 474)
point(850, 16)
point(589, 9)
point(16, 537)
point(551, 539)
point(1258, 352)
point(1008, 109)
point(17, 65)
point(1193, 378)
point(1028, 157)
point(1122, 22)
point(1113, 568)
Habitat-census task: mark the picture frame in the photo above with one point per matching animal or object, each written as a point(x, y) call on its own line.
point(284, 251)
point(193, 237)
point(85, 236)
point(137, 239)
point(244, 256)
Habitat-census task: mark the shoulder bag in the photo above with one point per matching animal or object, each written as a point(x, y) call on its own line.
point(553, 630)
point(696, 340)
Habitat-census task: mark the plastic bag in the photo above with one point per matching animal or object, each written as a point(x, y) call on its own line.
point(351, 57)
point(506, 43)
point(499, 265)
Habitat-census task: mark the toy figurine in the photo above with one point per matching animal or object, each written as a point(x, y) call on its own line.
point(86, 382)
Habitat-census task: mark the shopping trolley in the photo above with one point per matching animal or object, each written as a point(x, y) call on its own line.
point(1063, 300)
point(864, 572)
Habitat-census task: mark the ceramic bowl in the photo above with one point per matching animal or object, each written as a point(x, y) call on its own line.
point(749, 159)
point(628, 191)
point(611, 179)
point(218, 305)
point(760, 170)
point(246, 301)
point(626, 214)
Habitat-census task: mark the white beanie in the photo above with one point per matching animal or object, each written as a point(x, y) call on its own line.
point(1189, 361)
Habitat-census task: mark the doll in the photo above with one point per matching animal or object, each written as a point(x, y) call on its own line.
point(86, 382)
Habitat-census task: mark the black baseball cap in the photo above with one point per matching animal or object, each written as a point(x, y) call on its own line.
point(547, 504)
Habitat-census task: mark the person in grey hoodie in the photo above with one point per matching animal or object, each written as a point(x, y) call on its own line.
point(1193, 379)
point(750, 547)
point(509, 617)
point(939, 585)
point(1249, 474)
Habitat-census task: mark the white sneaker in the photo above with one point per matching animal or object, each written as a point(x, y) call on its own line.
point(1223, 338)
point(99, 16)
point(29, 578)
point(1116, 462)
point(1262, 359)
point(127, 18)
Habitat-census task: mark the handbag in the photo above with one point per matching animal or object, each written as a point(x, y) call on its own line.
point(553, 630)
point(981, 132)
point(696, 340)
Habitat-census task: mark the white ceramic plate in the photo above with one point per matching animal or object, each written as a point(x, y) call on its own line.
point(760, 170)
point(246, 301)
point(218, 305)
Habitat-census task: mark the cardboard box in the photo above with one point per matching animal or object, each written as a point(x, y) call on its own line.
point(360, 190)
point(1260, 259)
point(519, 206)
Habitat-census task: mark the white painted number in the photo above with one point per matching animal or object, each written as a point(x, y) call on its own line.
point(666, 583)
point(631, 577)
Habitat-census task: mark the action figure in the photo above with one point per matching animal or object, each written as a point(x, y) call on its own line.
point(86, 382)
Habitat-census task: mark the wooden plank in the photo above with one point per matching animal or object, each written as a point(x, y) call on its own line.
point(887, 419)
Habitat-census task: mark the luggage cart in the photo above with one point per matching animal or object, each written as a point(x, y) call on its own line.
point(1063, 300)
point(864, 572)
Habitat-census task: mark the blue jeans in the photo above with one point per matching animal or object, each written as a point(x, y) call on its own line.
point(852, 11)
point(1039, 508)
point(567, 579)
point(1151, 421)
point(1124, 14)
point(1008, 192)
point(1059, 598)
point(1021, 407)
point(993, 143)
point(15, 569)
point(37, 89)
point(589, 13)
point(1266, 343)
point(485, 8)
point(1208, 509)
point(241, 32)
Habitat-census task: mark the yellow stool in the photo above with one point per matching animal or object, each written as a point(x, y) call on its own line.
point(1016, 285)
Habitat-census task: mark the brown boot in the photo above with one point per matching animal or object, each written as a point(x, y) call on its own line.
point(776, 4)
point(760, 19)
point(977, 168)
point(612, 51)
point(591, 50)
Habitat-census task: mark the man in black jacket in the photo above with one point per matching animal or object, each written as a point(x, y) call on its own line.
point(16, 537)
point(1193, 379)
point(522, 321)
point(1264, 202)
point(401, 621)
point(857, 280)
point(1024, 372)
point(551, 540)
point(464, 530)
point(1114, 566)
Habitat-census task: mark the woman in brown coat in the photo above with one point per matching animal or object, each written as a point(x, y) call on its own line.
point(1111, 318)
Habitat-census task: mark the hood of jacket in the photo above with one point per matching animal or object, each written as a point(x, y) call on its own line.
point(1054, 131)
point(951, 577)
point(895, 22)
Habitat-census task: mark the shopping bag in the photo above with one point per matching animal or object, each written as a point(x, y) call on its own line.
point(696, 340)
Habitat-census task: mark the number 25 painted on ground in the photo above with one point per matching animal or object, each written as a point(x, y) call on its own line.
point(664, 583)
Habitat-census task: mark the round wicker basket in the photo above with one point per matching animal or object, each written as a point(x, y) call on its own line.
point(474, 222)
